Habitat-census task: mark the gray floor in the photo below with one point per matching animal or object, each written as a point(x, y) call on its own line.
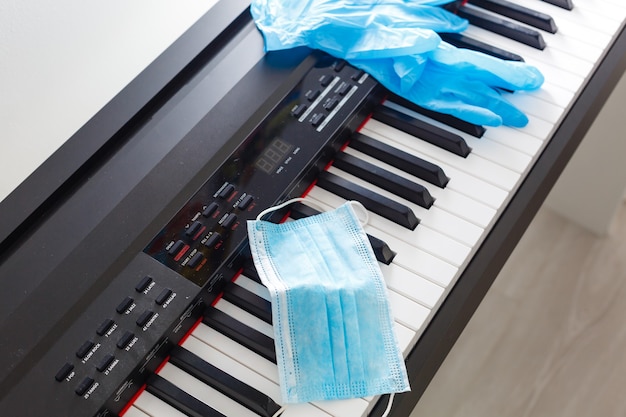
point(549, 339)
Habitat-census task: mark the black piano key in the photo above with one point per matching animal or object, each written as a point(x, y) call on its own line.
point(241, 333)
point(464, 41)
point(422, 130)
point(382, 251)
point(374, 202)
point(239, 391)
point(402, 160)
point(564, 4)
point(470, 128)
point(503, 27)
point(179, 399)
point(384, 179)
point(251, 272)
point(520, 13)
point(248, 301)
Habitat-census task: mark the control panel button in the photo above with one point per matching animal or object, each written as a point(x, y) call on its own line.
point(195, 260)
point(210, 209)
point(331, 104)
point(339, 65)
point(126, 338)
point(64, 372)
point(229, 221)
point(163, 296)
point(104, 327)
point(245, 202)
point(143, 284)
point(124, 305)
point(213, 240)
point(312, 95)
point(357, 75)
point(84, 385)
point(84, 349)
point(326, 80)
point(226, 191)
point(343, 89)
point(299, 110)
point(105, 362)
point(194, 229)
point(144, 317)
point(317, 119)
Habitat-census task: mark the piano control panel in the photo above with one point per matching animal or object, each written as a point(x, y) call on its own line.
point(284, 152)
point(151, 303)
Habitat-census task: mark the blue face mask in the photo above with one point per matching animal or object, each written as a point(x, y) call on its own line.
point(332, 323)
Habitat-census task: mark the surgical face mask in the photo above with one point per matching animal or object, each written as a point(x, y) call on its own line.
point(332, 323)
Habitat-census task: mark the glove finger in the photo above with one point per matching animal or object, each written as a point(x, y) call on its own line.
point(477, 94)
point(492, 71)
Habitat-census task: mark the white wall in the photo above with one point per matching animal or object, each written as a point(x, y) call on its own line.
point(61, 61)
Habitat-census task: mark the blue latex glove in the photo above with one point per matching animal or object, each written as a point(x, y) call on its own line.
point(354, 29)
point(395, 41)
point(456, 81)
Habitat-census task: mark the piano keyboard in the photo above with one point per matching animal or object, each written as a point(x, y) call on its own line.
point(430, 257)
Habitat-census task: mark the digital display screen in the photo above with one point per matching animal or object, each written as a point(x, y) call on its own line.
point(273, 155)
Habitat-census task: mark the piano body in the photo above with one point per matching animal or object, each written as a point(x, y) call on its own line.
point(127, 285)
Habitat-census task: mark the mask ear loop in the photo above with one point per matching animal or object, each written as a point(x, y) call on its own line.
point(278, 207)
point(359, 207)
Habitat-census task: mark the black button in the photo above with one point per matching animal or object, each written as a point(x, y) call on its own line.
point(104, 327)
point(64, 372)
point(226, 191)
point(245, 202)
point(317, 119)
point(194, 228)
point(340, 65)
point(85, 384)
point(357, 75)
point(145, 316)
point(213, 240)
point(143, 284)
point(210, 209)
point(124, 305)
point(163, 296)
point(195, 260)
point(326, 80)
point(343, 89)
point(105, 362)
point(229, 221)
point(299, 110)
point(312, 95)
point(84, 349)
point(176, 247)
point(331, 104)
point(125, 340)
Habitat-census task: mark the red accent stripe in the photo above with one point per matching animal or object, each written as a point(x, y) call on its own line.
point(182, 253)
point(132, 400)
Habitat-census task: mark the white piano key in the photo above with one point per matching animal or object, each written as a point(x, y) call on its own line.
point(474, 165)
point(410, 257)
point(203, 392)
point(253, 286)
point(248, 376)
point(233, 349)
point(551, 93)
point(134, 412)
point(502, 155)
point(407, 312)
point(531, 104)
point(411, 286)
point(558, 72)
point(516, 138)
point(422, 237)
point(243, 316)
point(155, 407)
